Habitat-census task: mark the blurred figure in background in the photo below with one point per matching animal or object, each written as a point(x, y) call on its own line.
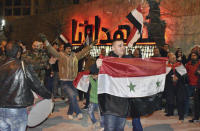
point(175, 87)
point(180, 57)
point(193, 89)
point(137, 53)
point(164, 50)
point(156, 52)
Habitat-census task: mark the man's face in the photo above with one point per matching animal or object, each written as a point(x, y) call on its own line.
point(55, 46)
point(195, 49)
point(118, 48)
point(179, 53)
point(68, 50)
point(172, 58)
point(35, 45)
point(61, 47)
point(103, 52)
point(136, 53)
point(130, 52)
point(156, 52)
point(193, 56)
point(166, 48)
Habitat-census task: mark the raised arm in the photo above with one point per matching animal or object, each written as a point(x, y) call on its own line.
point(85, 51)
point(50, 49)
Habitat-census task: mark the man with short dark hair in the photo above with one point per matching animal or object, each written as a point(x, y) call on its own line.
point(156, 52)
point(17, 81)
point(114, 119)
point(164, 50)
point(38, 58)
point(68, 69)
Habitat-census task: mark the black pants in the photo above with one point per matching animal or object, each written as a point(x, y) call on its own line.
point(197, 103)
point(180, 108)
point(87, 97)
point(175, 101)
point(81, 95)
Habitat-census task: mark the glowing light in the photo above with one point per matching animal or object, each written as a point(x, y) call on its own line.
point(145, 32)
point(3, 23)
point(146, 43)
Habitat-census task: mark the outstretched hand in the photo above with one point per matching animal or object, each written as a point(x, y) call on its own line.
point(94, 43)
point(99, 62)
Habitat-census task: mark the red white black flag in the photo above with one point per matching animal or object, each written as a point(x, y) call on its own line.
point(139, 80)
point(136, 18)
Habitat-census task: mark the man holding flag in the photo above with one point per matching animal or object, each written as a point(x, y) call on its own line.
point(128, 87)
point(114, 121)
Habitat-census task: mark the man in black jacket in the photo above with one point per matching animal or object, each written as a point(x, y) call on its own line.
point(114, 119)
point(175, 87)
point(17, 81)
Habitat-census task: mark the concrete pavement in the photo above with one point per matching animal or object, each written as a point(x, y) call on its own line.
point(58, 121)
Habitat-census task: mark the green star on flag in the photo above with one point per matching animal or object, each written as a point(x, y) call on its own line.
point(132, 87)
point(158, 84)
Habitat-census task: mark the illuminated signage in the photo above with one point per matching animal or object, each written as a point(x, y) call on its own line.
point(95, 32)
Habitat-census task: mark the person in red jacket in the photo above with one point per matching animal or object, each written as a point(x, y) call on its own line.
point(193, 90)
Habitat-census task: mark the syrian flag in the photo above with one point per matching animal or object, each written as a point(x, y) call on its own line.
point(87, 40)
point(178, 67)
point(136, 18)
point(131, 85)
point(62, 37)
point(81, 82)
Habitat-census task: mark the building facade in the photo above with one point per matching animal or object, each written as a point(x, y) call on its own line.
point(13, 9)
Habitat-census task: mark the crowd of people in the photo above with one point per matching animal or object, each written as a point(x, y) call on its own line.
point(56, 65)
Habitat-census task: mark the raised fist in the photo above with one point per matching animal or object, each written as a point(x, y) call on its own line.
point(42, 37)
point(94, 43)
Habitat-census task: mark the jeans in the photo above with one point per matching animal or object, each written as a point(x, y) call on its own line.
point(49, 84)
point(71, 92)
point(114, 123)
point(55, 83)
point(87, 97)
point(190, 93)
point(91, 109)
point(13, 119)
point(137, 126)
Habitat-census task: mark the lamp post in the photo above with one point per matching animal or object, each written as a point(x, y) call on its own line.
point(2, 26)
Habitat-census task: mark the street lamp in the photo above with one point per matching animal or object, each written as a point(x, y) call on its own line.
point(2, 32)
point(3, 23)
